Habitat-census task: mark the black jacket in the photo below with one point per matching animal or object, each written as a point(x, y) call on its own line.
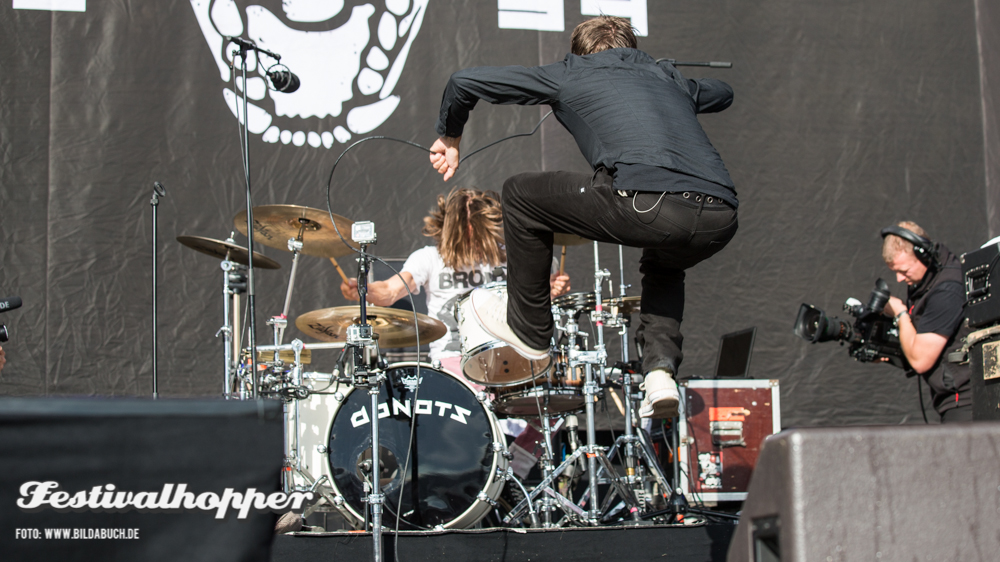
point(626, 112)
point(949, 382)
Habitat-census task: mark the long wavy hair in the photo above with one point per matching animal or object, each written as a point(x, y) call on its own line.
point(467, 227)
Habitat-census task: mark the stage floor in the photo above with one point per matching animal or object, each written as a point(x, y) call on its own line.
point(702, 543)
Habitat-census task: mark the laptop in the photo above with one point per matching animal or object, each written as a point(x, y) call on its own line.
point(735, 349)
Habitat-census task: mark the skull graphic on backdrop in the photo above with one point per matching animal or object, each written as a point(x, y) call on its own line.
point(348, 55)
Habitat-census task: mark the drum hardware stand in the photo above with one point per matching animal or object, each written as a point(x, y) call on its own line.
point(677, 505)
point(234, 283)
point(279, 323)
point(291, 396)
point(594, 453)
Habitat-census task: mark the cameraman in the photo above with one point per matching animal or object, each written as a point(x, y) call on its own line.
point(931, 321)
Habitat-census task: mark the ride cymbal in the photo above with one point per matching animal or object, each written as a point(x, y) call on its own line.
point(224, 249)
point(626, 306)
point(394, 327)
point(275, 224)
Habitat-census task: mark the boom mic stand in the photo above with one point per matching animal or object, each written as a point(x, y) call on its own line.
point(244, 48)
point(368, 373)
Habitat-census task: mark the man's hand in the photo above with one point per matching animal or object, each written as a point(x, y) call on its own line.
point(350, 290)
point(894, 307)
point(444, 156)
point(3, 358)
point(559, 284)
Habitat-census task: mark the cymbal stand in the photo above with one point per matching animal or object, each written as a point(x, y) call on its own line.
point(279, 323)
point(234, 283)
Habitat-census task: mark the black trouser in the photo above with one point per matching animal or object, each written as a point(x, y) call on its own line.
point(678, 231)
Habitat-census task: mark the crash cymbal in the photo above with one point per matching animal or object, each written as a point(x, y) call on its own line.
point(626, 306)
point(393, 326)
point(224, 249)
point(275, 224)
point(561, 239)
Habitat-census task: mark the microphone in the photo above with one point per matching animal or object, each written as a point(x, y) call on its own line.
point(10, 303)
point(283, 80)
point(159, 189)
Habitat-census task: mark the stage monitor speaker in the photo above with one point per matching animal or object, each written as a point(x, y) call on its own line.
point(898, 493)
point(137, 446)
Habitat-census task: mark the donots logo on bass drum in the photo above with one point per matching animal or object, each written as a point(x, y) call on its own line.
point(424, 407)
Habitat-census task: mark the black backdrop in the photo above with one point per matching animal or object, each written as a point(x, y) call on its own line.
point(848, 116)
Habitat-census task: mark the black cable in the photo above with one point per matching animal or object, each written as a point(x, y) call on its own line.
point(920, 398)
point(478, 150)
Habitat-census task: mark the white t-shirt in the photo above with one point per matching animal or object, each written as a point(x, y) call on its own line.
point(445, 287)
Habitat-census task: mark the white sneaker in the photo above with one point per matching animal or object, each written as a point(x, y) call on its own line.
point(490, 309)
point(661, 399)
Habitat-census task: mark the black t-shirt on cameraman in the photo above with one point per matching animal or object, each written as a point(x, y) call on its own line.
point(937, 305)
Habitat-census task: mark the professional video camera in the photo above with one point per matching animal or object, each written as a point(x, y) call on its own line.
point(9, 303)
point(873, 337)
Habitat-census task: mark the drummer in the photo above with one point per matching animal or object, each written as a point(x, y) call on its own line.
point(468, 252)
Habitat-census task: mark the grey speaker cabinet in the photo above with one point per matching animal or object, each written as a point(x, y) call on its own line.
point(897, 493)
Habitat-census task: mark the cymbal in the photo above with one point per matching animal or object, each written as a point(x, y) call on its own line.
point(275, 224)
point(587, 302)
point(560, 239)
point(576, 301)
point(393, 326)
point(224, 249)
point(626, 305)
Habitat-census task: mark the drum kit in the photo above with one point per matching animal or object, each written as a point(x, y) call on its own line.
point(441, 460)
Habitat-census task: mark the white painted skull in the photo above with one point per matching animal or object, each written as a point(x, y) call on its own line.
point(345, 74)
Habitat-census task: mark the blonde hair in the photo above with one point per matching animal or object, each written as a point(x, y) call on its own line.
point(603, 33)
point(467, 227)
point(893, 245)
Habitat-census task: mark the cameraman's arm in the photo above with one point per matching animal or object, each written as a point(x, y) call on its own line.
point(921, 350)
point(923, 345)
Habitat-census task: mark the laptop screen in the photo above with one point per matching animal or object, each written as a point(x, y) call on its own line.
point(734, 354)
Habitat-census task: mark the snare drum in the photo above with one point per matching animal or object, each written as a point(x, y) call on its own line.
point(560, 392)
point(487, 360)
point(457, 451)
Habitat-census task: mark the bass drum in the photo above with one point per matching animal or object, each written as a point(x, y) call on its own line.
point(457, 454)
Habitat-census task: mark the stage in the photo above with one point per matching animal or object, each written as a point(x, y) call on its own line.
point(706, 542)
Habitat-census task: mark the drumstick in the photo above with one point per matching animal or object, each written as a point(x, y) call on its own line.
point(618, 401)
point(340, 271)
point(562, 261)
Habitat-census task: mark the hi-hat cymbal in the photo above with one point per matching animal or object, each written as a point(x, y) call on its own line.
point(393, 326)
point(275, 224)
point(560, 239)
point(223, 249)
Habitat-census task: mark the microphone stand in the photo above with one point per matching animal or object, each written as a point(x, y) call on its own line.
point(158, 191)
point(246, 46)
